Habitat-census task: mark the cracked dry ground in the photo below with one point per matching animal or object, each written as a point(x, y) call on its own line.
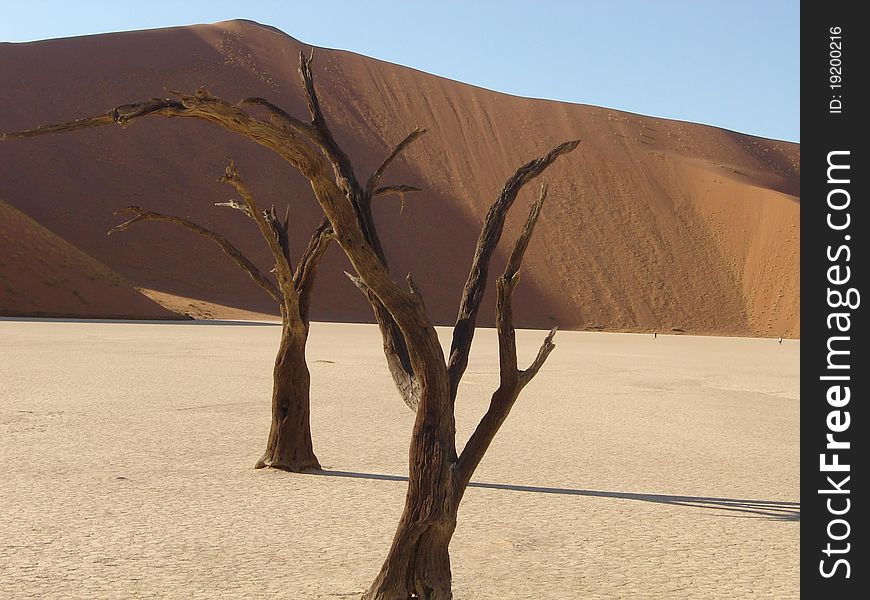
point(630, 468)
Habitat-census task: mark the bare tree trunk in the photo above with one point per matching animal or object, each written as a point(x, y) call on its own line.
point(289, 445)
point(418, 565)
point(418, 562)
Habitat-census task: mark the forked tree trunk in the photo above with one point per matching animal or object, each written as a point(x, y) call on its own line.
point(418, 563)
point(289, 445)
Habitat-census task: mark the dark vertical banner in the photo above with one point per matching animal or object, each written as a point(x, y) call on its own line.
point(835, 170)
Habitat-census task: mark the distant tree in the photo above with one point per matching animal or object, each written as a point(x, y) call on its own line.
point(418, 562)
point(289, 444)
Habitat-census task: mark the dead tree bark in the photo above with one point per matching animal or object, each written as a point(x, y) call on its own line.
point(418, 563)
point(289, 445)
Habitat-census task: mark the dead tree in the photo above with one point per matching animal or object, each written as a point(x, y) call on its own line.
point(278, 132)
point(289, 446)
point(418, 563)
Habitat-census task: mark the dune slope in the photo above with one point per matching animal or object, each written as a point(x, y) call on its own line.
point(41, 275)
point(652, 224)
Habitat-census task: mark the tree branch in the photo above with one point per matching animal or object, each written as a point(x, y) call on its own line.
point(512, 380)
point(280, 229)
point(475, 285)
point(121, 115)
point(310, 150)
point(246, 265)
point(543, 353)
point(237, 206)
point(341, 164)
point(376, 176)
point(306, 269)
point(399, 190)
point(270, 227)
point(395, 346)
point(505, 286)
point(280, 114)
point(298, 150)
point(512, 272)
point(515, 260)
point(395, 349)
point(395, 189)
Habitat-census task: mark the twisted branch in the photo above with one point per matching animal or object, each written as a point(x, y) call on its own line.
point(512, 380)
point(236, 206)
point(395, 189)
point(270, 228)
point(395, 350)
point(395, 346)
point(306, 269)
point(379, 172)
point(247, 266)
point(341, 164)
point(289, 121)
point(475, 285)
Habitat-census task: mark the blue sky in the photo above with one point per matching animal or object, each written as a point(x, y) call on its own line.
point(733, 65)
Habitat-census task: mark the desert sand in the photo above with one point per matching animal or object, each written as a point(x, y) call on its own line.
point(42, 275)
point(629, 468)
point(652, 224)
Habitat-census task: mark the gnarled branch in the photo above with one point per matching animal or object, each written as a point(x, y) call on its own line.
point(306, 269)
point(395, 189)
point(299, 150)
point(547, 346)
point(120, 115)
point(341, 164)
point(399, 360)
point(505, 287)
point(247, 266)
point(379, 172)
point(512, 380)
point(395, 346)
point(395, 350)
point(280, 229)
point(270, 227)
point(475, 285)
point(237, 206)
point(278, 113)
point(399, 190)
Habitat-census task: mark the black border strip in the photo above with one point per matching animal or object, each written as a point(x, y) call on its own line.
point(833, 262)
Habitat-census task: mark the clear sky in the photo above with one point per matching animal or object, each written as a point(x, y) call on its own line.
point(730, 64)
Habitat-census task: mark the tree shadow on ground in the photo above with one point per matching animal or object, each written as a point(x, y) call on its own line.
point(766, 509)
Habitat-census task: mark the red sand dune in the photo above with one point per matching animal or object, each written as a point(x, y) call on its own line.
point(41, 275)
point(652, 224)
